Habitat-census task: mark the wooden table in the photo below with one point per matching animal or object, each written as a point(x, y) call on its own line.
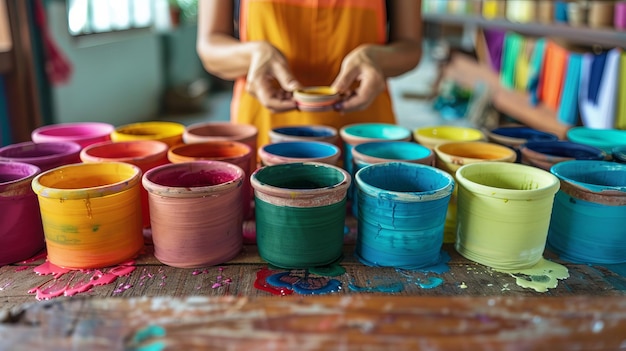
point(219, 306)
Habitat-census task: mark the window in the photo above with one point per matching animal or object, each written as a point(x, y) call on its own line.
point(102, 16)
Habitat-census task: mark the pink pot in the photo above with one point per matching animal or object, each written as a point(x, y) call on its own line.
point(82, 133)
point(46, 155)
point(145, 154)
point(21, 232)
point(196, 212)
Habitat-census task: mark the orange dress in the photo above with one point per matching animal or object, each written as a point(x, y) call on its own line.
point(314, 52)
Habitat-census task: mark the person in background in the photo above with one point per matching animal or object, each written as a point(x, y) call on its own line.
point(272, 47)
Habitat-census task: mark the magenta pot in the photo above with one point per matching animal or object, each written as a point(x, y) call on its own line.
point(82, 133)
point(21, 232)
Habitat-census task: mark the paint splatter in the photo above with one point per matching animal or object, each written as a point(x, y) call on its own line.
point(261, 283)
point(67, 282)
point(301, 282)
point(382, 288)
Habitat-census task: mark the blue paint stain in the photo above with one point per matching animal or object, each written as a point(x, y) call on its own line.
point(382, 288)
point(429, 282)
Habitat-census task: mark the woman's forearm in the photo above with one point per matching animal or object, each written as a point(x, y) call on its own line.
point(226, 57)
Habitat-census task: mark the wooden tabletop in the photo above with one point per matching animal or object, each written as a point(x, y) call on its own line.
point(375, 306)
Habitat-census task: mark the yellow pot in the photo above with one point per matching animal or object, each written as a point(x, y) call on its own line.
point(170, 133)
point(91, 213)
point(504, 213)
point(435, 135)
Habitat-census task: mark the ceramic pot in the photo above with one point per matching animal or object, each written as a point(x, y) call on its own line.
point(545, 154)
point(91, 213)
point(196, 212)
point(402, 211)
point(21, 232)
point(82, 133)
point(145, 154)
point(587, 222)
point(224, 131)
point(387, 151)
point(299, 151)
point(300, 213)
point(304, 133)
point(503, 213)
point(170, 133)
point(435, 135)
point(233, 152)
point(45, 155)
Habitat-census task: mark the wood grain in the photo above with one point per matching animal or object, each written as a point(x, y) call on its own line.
point(357, 322)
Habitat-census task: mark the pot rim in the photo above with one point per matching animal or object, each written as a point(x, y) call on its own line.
point(195, 191)
point(287, 193)
point(408, 196)
point(572, 186)
point(160, 151)
point(89, 192)
point(509, 194)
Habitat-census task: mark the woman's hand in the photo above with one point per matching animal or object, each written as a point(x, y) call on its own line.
point(360, 80)
point(270, 80)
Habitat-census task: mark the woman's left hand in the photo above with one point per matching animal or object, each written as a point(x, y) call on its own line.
point(360, 80)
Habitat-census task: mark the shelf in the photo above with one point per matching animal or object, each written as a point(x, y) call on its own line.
point(578, 35)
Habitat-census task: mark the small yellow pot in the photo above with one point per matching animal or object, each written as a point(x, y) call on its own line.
point(435, 135)
point(91, 213)
point(170, 133)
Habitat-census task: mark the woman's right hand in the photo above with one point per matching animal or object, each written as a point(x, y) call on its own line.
point(270, 79)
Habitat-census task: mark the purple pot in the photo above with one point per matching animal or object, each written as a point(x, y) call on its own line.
point(45, 155)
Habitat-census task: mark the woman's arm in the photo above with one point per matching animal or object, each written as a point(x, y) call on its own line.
point(220, 52)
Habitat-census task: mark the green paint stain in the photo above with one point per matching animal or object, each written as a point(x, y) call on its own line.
point(69, 229)
point(95, 228)
point(332, 270)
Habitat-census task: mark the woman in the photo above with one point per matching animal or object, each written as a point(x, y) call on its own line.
point(283, 45)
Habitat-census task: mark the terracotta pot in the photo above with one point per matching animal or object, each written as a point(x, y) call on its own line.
point(45, 155)
point(196, 212)
point(233, 152)
point(91, 213)
point(82, 133)
point(145, 154)
point(21, 232)
point(170, 133)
